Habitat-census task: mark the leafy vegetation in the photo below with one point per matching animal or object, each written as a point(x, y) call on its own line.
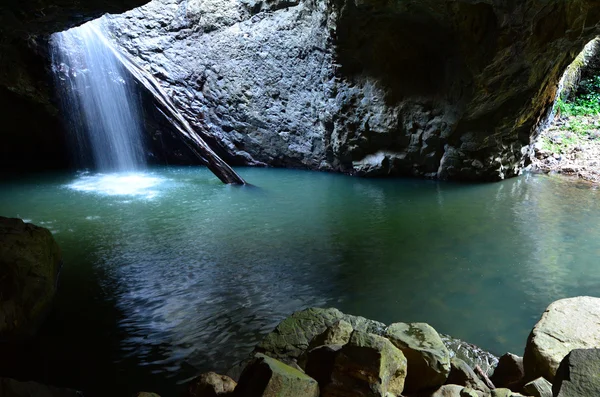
point(586, 101)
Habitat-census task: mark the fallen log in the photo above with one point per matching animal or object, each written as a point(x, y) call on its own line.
point(164, 104)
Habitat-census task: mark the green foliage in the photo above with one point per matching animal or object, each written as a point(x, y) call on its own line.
point(586, 101)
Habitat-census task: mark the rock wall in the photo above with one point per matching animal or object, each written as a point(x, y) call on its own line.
point(434, 88)
point(430, 88)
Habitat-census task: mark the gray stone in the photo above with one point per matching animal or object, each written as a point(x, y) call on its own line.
point(463, 375)
point(426, 354)
point(578, 374)
point(266, 377)
point(211, 384)
point(30, 261)
point(566, 324)
point(13, 388)
point(455, 391)
point(538, 388)
point(509, 372)
point(368, 365)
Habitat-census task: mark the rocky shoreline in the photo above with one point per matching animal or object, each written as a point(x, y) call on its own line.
point(324, 352)
point(570, 147)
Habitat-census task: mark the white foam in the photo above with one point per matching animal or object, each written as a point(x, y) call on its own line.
point(121, 184)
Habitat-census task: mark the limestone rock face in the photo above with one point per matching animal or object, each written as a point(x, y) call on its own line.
point(368, 365)
point(267, 377)
point(566, 324)
point(427, 356)
point(578, 374)
point(30, 261)
point(372, 88)
point(13, 388)
point(338, 334)
point(211, 384)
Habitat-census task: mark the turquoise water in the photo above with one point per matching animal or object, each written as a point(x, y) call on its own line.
point(170, 273)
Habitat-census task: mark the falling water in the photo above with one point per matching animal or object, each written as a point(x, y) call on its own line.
point(98, 99)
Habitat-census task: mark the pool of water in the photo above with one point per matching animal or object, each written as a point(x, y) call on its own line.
point(169, 272)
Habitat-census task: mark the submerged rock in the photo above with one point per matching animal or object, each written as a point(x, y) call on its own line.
point(13, 388)
point(566, 324)
point(426, 354)
point(30, 262)
point(211, 384)
point(578, 374)
point(267, 377)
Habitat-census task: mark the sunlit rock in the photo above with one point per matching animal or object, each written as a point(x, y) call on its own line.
point(267, 377)
point(428, 358)
point(211, 384)
point(30, 261)
point(567, 324)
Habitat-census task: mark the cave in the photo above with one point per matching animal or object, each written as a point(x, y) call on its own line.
point(380, 152)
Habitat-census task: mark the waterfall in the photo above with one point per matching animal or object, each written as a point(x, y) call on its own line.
point(98, 99)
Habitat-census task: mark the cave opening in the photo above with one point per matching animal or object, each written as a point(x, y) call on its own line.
point(167, 273)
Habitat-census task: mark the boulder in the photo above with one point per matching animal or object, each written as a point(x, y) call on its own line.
point(293, 335)
point(578, 374)
point(211, 384)
point(463, 375)
point(266, 377)
point(13, 388)
point(509, 372)
point(538, 388)
point(427, 357)
point(30, 262)
point(146, 394)
point(368, 365)
point(566, 324)
point(320, 362)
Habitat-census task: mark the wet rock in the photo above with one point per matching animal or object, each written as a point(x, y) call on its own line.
point(427, 356)
point(211, 384)
point(471, 354)
point(146, 394)
point(463, 375)
point(578, 374)
point(368, 365)
point(30, 261)
point(566, 324)
point(13, 388)
point(509, 372)
point(538, 388)
point(267, 377)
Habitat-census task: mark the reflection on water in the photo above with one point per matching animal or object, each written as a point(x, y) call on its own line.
point(154, 291)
